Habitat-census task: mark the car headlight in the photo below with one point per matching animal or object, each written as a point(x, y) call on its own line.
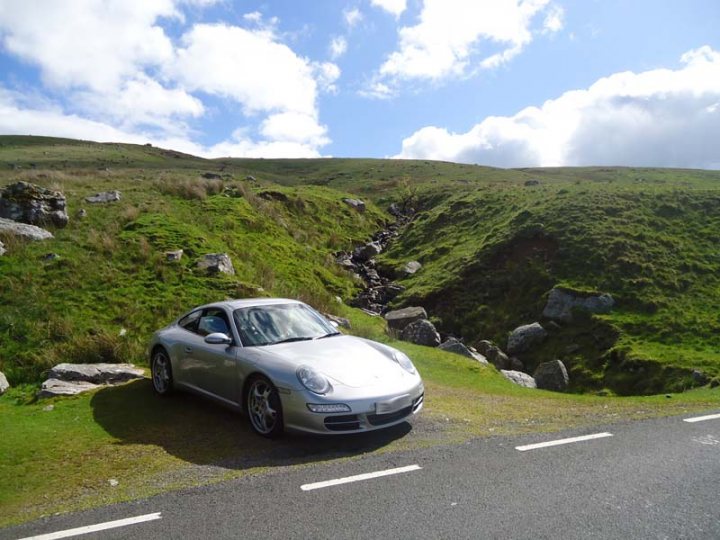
point(405, 362)
point(312, 380)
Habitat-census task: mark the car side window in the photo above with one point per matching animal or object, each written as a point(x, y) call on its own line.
point(190, 321)
point(214, 320)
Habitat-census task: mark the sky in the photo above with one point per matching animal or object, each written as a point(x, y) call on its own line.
point(507, 83)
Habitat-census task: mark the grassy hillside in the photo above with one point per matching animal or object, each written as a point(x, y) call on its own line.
point(491, 248)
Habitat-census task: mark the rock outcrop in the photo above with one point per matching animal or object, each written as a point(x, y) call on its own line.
point(23, 230)
point(4, 384)
point(498, 358)
point(562, 302)
point(524, 337)
point(104, 197)
point(456, 346)
point(2, 248)
point(174, 256)
point(552, 376)
point(356, 204)
point(421, 332)
point(367, 252)
point(71, 379)
point(398, 319)
point(519, 378)
point(35, 205)
point(216, 263)
point(411, 267)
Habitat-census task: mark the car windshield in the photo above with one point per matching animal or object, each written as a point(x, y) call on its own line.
point(280, 323)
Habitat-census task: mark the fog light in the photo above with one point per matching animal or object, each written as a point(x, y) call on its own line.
point(328, 407)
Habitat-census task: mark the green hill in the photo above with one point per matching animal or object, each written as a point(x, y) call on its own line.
point(491, 248)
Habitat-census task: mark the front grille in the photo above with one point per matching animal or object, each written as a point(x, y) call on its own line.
point(344, 422)
point(382, 419)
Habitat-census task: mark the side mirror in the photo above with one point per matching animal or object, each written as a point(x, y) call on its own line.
point(218, 338)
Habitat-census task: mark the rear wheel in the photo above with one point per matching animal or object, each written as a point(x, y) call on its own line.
point(264, 408)
point(161, 371)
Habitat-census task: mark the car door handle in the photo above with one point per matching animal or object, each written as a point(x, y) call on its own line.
point(188, 349)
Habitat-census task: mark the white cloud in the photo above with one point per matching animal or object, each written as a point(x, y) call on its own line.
point(394, 7)
point(455, 38)
point(660, 117)
point(352, 16)
point(554, 19)
point(338, 47)
point(294, 127)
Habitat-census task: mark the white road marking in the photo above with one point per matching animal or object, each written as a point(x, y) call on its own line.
point(95, 528)
point(702, 418)
point(563, 441)
point(359, 477)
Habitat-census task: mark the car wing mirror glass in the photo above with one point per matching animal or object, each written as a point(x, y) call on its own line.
point(218, 338)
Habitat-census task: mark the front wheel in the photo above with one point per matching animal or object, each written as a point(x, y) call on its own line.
point(264, 408)
point(161, 371)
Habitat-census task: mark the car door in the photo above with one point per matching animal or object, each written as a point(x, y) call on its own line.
point(216, 369)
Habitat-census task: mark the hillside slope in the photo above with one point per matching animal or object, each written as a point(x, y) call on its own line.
point(491, 248)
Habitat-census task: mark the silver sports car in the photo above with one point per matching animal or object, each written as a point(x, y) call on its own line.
point(287, 367)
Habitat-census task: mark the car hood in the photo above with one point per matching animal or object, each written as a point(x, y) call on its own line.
point(347, 360)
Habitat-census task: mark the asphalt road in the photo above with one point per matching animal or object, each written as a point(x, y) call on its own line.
point(649, 479)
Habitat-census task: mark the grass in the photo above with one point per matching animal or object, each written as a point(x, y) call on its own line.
point(491, 248)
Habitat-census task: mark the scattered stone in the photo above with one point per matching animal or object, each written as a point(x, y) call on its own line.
point(484, 346)
point(356, 204)
point(23, 230)
point(113, 482)
point(174, 256)
point(211, 176)
point(340, 321)
point(699, 377)
point(4, 384)
point(2, 248)
point(400, 318)
point(50, 257)
point(533, 182)
point(104, 197)
point(497, 358)
point(95, 373)
point(35, 205)
point(411, 267)
point(524, 337)
point(216, 263)
point(122, 332)
point(519, 378)
point(273, 196)
point(82, 213)
point(552, 376)
point(516, 364)
point(454, 345)
point(49, 408)
point(421, 332)
point(367, 252)
point(250, 178)
point(562, 302)
point(56, 387)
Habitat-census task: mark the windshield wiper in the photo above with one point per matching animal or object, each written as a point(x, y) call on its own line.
point(291, 339)
point(331, 334)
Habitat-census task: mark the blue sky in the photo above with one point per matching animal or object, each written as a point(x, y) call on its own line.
point(509, 83)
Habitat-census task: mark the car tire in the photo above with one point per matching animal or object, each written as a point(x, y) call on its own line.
point(161, 372)
point(263, 407)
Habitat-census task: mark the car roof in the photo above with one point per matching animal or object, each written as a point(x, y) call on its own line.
point(249, 302)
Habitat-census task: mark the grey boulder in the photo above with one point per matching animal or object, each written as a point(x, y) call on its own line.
point(23, 230)
point(33, 204)
point(104, 197)
point(562, 302)
point(421, 332)
point(454, 345)
point(519, 378)
point(497, 358)
point(96, 373)
point(552, 376)
point(411, 267)
point(216, 263)
point(340, 321)
point(57, 387)
point(356, 204)
point(400, 318)
point(173, 256)
point(524, 337)
point(4, 384)
point(367, 252)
